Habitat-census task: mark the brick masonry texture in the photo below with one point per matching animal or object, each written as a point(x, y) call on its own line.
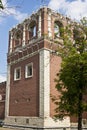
point(24, 99)
point(2, 99)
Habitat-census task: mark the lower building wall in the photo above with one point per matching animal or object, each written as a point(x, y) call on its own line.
point(2, 110)
point(2, 100)
point(24, 93)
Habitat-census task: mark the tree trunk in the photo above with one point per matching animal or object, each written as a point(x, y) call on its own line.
point(80, 112)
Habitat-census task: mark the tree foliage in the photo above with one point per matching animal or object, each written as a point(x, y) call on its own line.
point(1, 5)
point(72, 77)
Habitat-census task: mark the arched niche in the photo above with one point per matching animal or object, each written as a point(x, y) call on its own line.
point(18, 36)
point(57, 29)
point(32, 29)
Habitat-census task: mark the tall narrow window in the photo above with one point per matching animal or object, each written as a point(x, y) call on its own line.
point(29, 70)
point(18, 37)
point(56, 30)
point(32, 29)
point(58, 26)
point(17, 73)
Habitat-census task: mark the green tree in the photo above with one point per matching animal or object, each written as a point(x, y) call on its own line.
point(1, 5)
point(72, 77)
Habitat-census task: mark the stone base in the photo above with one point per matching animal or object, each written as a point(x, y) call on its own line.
point(34, 128)
point(36, 123)
point(74, 126)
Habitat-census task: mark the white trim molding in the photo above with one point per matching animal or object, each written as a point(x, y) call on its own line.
point(44, 63)
point(24, 35)
point(49, 25)
point(39, 25)
point(7, 92)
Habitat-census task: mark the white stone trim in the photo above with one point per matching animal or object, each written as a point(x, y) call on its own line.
point(44, 63)
point(38, 122)
point(39, 25)
point(23, 44)
point(49, 25)
point(7, 92)
point(11, 40)
point(50, 122)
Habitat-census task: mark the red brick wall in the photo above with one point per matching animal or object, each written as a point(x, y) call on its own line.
point(24, 94)
point(2, 99)
point(54, 68)
point(44, 23)
point(73, 118)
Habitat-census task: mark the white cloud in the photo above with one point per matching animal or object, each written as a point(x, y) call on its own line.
point(16, 14)
point(2, 78)
point(76, 9)
point(20, 16)
point(11, 12)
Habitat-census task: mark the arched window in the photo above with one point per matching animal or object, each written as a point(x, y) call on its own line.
point(57, 27)
point(32, 29)
point(56, 30)
point(18, 37)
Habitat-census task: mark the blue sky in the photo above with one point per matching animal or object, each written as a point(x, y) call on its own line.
point(16, 10)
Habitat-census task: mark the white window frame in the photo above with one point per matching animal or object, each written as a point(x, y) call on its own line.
point(15, 73)
point(26, 70)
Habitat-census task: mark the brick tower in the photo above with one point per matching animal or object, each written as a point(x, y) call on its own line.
point(32, 68)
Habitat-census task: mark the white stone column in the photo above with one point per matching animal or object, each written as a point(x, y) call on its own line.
point(49, 25)
point(7, 92)
point(11, 40)
point(44, 83)
point(39, 25)
point(24, 35)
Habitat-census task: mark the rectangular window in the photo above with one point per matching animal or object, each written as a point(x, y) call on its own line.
point(17, 73)
point(29, 70)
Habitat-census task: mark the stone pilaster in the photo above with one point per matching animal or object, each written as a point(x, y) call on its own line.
point(44, 83)
point(39, 25)
point(7, 92)
point(49, 25)
point(23, 43)
point(11, 41)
